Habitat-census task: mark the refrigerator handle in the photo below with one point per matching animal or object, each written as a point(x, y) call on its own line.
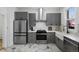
point(19, 26)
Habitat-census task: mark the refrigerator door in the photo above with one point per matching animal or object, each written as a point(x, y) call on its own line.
point(16, 26)
point(23, 26)
point(20, 40)
point(20, 26)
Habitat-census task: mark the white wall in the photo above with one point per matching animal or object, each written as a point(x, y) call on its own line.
point(77, 21)
point(7, 12)
point(64, 19)
point(10, 25)
point(3, 11)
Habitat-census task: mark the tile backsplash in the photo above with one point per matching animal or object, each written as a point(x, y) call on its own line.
point(42, 26)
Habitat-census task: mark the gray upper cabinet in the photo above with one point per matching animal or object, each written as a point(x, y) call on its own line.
point(58, 19)
point(21, 15)
point(32, 19)
point(53, 19)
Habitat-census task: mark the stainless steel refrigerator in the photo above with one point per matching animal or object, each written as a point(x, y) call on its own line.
point(20, 29)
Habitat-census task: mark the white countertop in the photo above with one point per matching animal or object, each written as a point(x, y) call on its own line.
point(74, 37)
point(35, 31)
point(61, 35)
point(31, 31)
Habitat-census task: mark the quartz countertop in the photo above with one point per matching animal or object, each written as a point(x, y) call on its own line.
point(74, 37)
point(61, 35)
point(31, 31)
point(36, 30)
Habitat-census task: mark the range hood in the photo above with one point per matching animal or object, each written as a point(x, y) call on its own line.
point(40, 14)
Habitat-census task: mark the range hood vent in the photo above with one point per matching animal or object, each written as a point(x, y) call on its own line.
point(40, 14)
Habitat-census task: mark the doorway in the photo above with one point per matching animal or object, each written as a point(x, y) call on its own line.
point(1, 30)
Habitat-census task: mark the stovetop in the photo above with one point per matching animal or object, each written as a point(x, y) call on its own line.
point(41, 31)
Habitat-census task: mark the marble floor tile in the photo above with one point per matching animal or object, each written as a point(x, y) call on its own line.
point(34, 48)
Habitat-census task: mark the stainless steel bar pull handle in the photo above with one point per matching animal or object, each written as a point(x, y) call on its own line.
point(19, 26)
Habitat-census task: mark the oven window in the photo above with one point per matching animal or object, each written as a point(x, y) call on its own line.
point(41, 37)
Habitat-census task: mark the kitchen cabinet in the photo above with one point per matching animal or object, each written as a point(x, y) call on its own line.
point(32, 19)
point(59, 43)
point(50, 37)
point(21, 15)
point(70, 45)
point(53, 19)
point(31, 37)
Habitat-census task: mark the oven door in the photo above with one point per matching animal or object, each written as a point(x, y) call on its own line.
point(41, 37)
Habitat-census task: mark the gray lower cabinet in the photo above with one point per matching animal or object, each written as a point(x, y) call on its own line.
point(59, 43)
point(50, 37)
point(31, 37)
point(70, 45)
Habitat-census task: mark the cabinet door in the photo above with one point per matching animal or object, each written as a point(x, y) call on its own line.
point(69, 46)
point(59, 43)
point(58, 19)
point(32, 19)
point(31, 37)
point(21, 15)
point(56, 41)
point(53, 19)
point(50, 37)
point(50, 19)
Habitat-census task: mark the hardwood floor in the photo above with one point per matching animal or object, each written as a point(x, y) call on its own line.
point(0, 43)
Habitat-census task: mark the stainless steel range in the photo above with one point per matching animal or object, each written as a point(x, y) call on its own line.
point(41, 36)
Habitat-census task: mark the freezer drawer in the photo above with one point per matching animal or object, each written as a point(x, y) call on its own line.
point(20, 26)
point(20, 40)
